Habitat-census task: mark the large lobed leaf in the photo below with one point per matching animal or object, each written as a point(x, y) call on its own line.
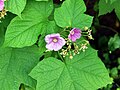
point(83, 72)
point(71, 14)
point(15, 64)
point(25, 31)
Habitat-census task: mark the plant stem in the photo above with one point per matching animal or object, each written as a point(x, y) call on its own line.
point(109, 28)
point(64, 31)
point(60, 56)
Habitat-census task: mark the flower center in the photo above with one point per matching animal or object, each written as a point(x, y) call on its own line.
point(55, 40)
point(72, 32)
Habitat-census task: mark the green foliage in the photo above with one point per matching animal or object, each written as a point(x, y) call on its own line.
point(41, 0)
point(114, 72)
point(25, 31)
point(112, 1)
point(84, 71)
point(1, 36)
point(22, 43)
point(41, 44)
point(104, 7)
point(114, 42)
point(106, 1)
point(15, 6)
point(71, 14)
point(15, 64)
point(107, 7)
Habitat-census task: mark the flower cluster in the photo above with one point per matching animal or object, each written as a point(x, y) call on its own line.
point(87, 31)
point(55, 42)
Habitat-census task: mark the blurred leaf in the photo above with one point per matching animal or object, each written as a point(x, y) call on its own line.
point(119, 61)
point(119, 67)
point(114, 42)
point(41, 0)
point(118, 88)
point(112, 1)
point(114, 72)
point(105, 8)
point(106, 1)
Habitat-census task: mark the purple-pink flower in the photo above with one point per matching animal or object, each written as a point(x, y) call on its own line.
point(54, 42)
point(74, 34)
point(1, 5)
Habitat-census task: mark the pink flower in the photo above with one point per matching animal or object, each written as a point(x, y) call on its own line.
point(74, 34)
point(1, 5)
point(54, 42)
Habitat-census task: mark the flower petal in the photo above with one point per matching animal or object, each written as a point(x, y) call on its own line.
point(50, 46)
point(1, 4)
point(47, 38)
point(62, 41)
point(73, 38)
point(57, 46)
point(55, 35)
point(74, 34)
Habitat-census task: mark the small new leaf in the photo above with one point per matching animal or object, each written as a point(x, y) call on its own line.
point(114, 42)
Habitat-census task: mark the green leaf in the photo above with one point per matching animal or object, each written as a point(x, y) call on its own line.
point(1, 36)
point(15, 6)
point(71, 14)
point(42, 44)
point(117, 9)
point(106, 1)
point(114, 42)
point(83, 72)
point(15, 64)
point(114, 72)
point(25, 31)
point(104, 7)
point(41, 0)
point(112, 1)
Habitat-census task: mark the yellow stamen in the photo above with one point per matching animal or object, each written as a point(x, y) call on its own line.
point(55, 40)
point(72, 32)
